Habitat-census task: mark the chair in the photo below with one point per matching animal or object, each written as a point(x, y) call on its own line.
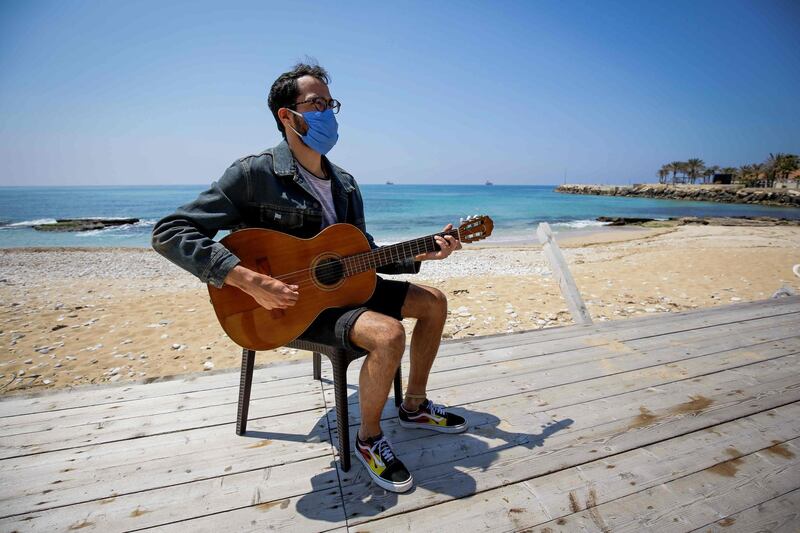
point(340, 358)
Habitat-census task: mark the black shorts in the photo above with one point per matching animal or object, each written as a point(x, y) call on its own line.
point(333, 326)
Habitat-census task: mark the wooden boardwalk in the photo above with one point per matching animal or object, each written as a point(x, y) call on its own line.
point(673, 422)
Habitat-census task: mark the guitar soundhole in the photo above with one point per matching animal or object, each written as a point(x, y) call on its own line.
point(329, 272)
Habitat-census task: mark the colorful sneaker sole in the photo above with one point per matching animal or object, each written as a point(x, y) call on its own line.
point(385, 483)
point(433, 427)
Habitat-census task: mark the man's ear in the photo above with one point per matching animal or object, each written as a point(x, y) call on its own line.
point(290, 120)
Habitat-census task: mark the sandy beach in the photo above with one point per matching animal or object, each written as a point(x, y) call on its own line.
point(72, 317)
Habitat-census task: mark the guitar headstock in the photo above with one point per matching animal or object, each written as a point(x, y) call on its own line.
point(475, 228)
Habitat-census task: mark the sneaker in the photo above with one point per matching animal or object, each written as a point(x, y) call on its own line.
point(432, 416)
point(384, 468)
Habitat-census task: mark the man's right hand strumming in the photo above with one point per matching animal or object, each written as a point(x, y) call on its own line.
point(270, 293)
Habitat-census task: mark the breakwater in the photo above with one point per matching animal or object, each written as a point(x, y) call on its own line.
point(736, 194)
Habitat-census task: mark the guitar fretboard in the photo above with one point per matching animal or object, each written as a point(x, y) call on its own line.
point(393, 253)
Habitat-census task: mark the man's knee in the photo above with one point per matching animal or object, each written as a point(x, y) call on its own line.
point(425, 302)
point(438, 303)
point(379, 333)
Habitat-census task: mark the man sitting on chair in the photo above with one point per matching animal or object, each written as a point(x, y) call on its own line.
point(295, 189)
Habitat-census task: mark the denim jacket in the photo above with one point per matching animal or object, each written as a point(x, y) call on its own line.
point(262, 191)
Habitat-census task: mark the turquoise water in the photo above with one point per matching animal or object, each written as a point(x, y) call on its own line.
point(394, 212)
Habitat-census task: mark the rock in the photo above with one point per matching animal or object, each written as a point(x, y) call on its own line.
point(47, 382)
point(84, 224)
point(57, 327)
point(179, 347)
point(28, 361)
point(114, 378)
point(208, 365)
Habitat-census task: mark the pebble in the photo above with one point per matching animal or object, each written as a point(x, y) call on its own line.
point(179, 347)
point(28, 361)
point(47, 382)
point(208, 365)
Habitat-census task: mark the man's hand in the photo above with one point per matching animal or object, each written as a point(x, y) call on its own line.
point(447, 245)
point(268, 292)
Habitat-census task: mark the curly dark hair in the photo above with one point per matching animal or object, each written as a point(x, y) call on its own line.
point(284, 91)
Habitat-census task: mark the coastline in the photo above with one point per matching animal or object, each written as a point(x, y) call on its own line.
point(733, 194)
point(102, 315)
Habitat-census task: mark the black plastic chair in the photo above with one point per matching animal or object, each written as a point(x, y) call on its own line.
point(340, 359)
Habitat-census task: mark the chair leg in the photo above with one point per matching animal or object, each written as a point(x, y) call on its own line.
point(342, 416)
point(318, 366)
point(245, 383)
point(398, 387)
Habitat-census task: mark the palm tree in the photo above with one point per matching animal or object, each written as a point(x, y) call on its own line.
point(694, 167)
point(662, 173)
point(675, 167)
point(779, 166)
point(710, 172)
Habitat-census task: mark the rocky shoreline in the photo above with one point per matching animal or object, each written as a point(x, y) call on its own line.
point(707, 193)
point(698, 221)
point(84, 224)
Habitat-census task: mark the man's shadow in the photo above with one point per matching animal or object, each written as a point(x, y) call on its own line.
point(439, 462)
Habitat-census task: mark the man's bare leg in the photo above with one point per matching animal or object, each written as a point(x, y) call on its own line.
point(385, 339)
point(429, 306)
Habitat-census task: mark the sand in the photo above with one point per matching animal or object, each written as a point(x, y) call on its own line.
point(72, 317)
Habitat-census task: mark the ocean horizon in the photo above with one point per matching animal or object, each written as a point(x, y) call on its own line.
point(394, 212)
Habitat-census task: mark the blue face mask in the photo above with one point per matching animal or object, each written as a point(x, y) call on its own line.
point(322, 131)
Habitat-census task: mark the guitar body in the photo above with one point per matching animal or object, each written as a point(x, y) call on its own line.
point(312, 264)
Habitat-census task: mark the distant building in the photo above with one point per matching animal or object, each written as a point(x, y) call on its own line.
point(722, 179)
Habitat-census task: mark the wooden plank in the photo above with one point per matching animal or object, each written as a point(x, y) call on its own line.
point(557, 495)
point(666, 321)
point(504, 451)
point(669, 363)
point(311, 487)
point(46, 401)
point(613, 356)
point(741, 482)
point(551, 392)
point(568, 346)
point(63, 438)
point(299, 394)
point(91, 472)
point(481, 412)
point(778, 515)
point(569, 290)
point(312, 513)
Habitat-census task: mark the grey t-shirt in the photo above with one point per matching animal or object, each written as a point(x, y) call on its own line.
point(322, 191)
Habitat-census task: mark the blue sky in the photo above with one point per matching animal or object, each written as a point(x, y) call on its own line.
point(433, 92)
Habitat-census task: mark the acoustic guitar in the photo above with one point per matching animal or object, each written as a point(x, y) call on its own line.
point(336, 268)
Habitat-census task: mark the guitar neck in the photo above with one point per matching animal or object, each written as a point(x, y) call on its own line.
point(393, 253)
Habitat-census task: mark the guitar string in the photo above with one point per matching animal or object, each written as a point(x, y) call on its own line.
point(327, 269)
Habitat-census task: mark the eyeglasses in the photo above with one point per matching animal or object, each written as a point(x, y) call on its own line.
point(321, 104)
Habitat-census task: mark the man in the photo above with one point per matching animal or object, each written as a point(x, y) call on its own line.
point(294, 188)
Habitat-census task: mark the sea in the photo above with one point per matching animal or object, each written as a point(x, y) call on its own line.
point(393, 212)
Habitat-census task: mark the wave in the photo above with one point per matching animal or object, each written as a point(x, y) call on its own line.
point(146, 223)
point(579, 224)
point(28, 223)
